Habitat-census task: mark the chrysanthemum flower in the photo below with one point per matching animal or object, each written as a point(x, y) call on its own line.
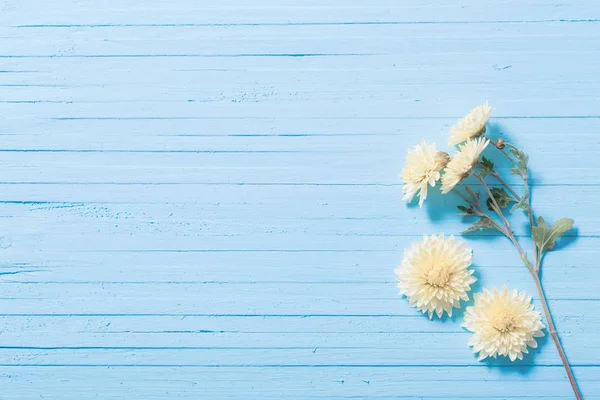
point(462, 162)
point(503, 323)
point(434, 275)
point(423, 165)
point(472, 125)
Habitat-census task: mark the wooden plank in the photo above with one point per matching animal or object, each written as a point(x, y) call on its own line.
point(202, 200)
point(296, 382)
point(270, 11)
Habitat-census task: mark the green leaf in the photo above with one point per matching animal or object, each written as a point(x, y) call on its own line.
point(523, 203)
point(522, 160)
point(487, 163)
point(502, 198)
point(545, 237)
point(482, 223)
point(487, 167)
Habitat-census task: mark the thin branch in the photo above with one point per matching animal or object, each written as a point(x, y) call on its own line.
point(554, 335)
point(508, 232)
point(504, 152)
point(534, 270)
point(536, 256)
point(529, 211)
point(525, 180)
point(465, 198)
point(481, 212)
point(534, 273)
point(502, 181)
point(495, 203)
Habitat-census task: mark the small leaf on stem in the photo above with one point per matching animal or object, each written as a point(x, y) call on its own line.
point(487, 167)
point(502, 198)
point(523, 203)
point(545, 236)
point(482, 223)
point(522, 160)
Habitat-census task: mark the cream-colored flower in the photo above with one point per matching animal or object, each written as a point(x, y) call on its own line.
point(472, 125)
point(434, 274)
point(423, 165)
point(503, 323)
point(462, 162)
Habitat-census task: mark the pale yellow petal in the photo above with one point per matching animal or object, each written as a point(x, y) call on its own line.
point(434, 274)
point(503, 323)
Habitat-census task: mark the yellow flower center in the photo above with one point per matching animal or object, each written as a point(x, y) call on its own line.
point(503, 322)
point(438, 276)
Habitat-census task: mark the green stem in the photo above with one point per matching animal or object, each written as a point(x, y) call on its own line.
point(534, 273)
point(507, 232)
point(465, 198)
point(509, 157)
point(554, 335)
point(536, 255)
point(502, 181)
point(481, 212)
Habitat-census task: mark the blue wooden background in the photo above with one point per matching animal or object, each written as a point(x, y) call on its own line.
point(202, 199)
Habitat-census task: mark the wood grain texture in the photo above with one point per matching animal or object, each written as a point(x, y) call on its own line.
point(201, 199)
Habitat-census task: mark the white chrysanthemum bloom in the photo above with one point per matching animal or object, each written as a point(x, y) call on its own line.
point(434, 274)
point(461, 163)
point(472, 125)
point(423, 165)
point(503, 323)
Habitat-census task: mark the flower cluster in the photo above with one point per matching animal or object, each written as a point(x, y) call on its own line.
point(424, 163)
point(434, 274)
point(434, 277)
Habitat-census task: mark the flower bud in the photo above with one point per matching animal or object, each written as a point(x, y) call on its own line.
point(500, 143)
point(442, 158)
